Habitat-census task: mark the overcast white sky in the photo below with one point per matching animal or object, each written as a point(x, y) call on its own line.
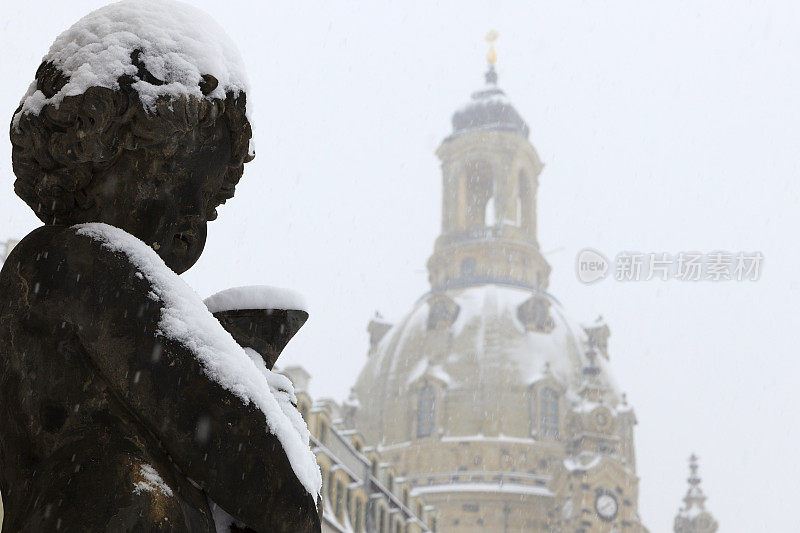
point(664, 126)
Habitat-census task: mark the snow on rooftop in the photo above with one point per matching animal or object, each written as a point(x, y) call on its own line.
point(408, 329)
point(583, 462)
point(185, 319)
point(255, 297)
point(586, 406)
point(425, 368)
point(179, 43)
point(498, 99)
point(485, 311)
point(491, 488)
point(692, 512)
point(588, 460)
point(483, 438)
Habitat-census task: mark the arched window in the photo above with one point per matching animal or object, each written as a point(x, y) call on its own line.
point(548, 412)
point(479, 189)
point(490, 216)
point(426, 411)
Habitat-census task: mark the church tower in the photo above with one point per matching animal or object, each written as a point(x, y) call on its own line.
point(491, 402)
point(490, 176)
point(693, 516)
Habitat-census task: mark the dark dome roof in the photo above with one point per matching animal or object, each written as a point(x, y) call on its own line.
point(489, 110)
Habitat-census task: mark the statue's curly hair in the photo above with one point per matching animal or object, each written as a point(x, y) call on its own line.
point(57, 152)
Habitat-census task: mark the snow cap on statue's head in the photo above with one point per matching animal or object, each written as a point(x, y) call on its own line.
point(139, 80)
point(164, 47)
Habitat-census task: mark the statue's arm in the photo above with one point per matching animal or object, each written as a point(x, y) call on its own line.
point(211, 435)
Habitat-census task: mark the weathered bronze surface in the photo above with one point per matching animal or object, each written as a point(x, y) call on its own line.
point(91, 393)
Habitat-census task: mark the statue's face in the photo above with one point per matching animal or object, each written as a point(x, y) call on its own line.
point(165, 201)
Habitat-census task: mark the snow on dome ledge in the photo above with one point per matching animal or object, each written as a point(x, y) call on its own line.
point(178, 45)
point(488, 110)
point(255, 297)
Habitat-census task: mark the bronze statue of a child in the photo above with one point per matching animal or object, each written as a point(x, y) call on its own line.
point(113, 417)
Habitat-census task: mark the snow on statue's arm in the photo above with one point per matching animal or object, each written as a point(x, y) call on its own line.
point(157, 345)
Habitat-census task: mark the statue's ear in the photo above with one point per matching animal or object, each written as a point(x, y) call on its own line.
point(267, 331)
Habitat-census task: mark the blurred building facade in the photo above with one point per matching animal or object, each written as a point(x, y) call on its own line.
point(487, 399)
point(361, 492)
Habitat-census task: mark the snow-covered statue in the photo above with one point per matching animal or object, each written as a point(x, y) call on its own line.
point(125, 405)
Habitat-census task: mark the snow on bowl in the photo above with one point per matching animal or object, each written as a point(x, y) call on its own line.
point(255, 297)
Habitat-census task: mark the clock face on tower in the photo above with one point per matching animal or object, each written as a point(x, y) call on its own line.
point(606, 506)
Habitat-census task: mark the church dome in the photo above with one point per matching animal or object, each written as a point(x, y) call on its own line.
point(489, 109)
point(487, 398)
point(484, 348)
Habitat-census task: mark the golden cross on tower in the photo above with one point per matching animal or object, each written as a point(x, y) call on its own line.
point(491, 37)
point(491, 57)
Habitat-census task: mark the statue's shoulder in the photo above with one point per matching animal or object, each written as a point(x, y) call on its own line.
point(36, 243)
point(90, 242)
point(63, 257)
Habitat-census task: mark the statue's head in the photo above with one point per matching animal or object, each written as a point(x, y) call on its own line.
point(146, 142)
